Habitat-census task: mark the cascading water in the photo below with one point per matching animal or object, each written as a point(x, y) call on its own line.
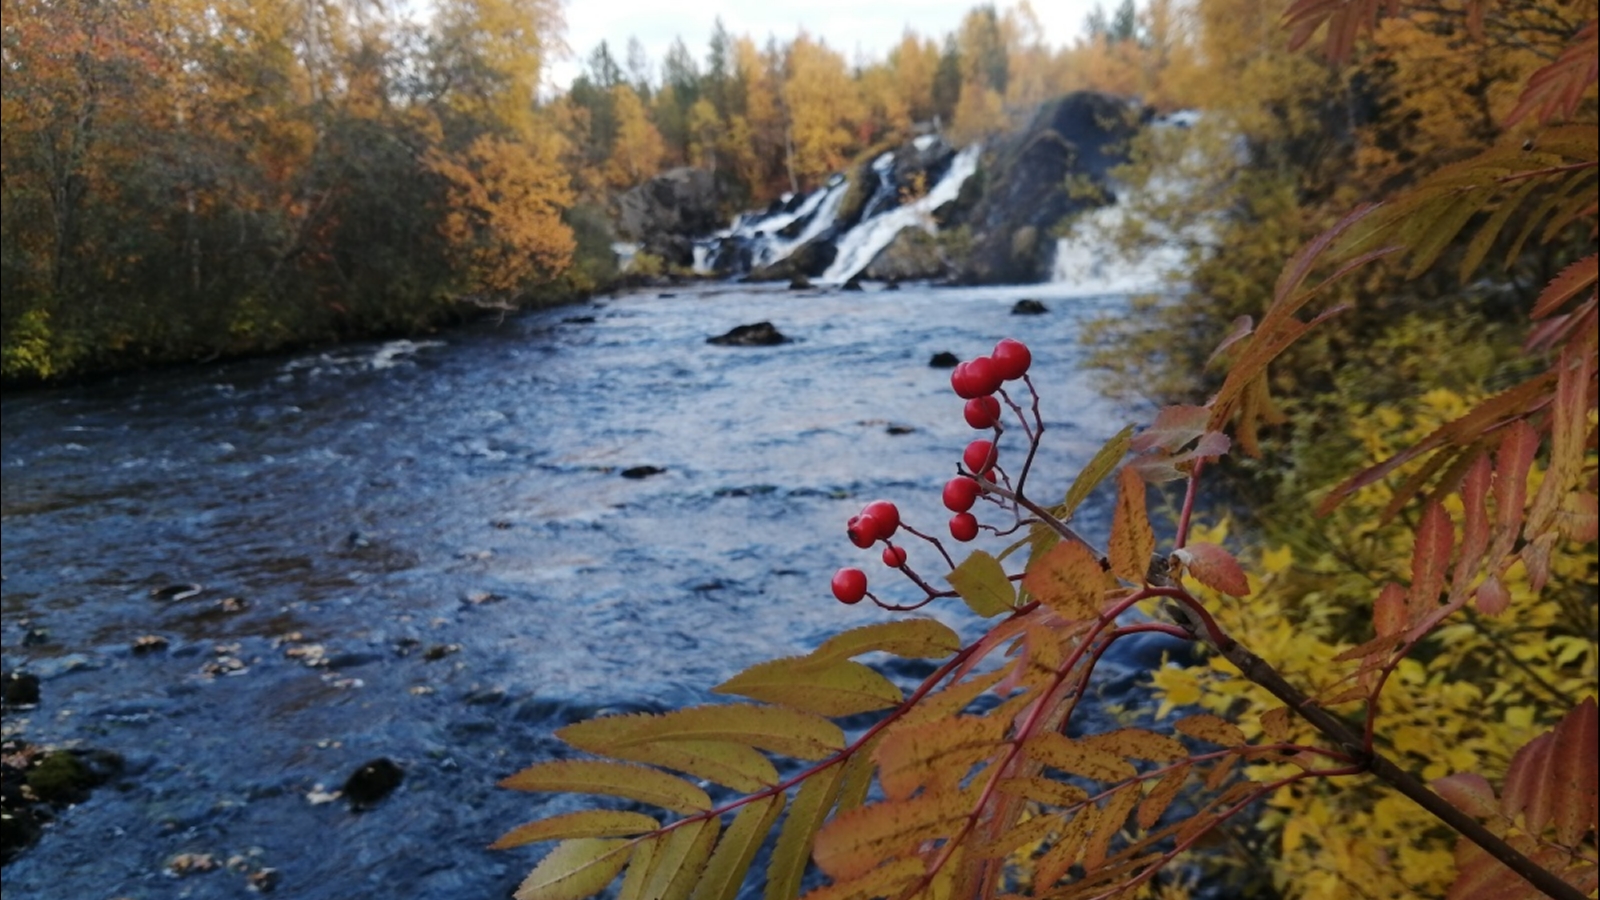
point(863, 243)
point(763, 232)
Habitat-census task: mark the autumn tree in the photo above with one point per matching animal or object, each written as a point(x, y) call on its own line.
point(820, 102)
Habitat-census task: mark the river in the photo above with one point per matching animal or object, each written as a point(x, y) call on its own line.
point(426, 551)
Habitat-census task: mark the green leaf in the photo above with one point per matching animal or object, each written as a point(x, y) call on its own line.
point(1103, 463)
point(835, 687)
point(590, 823)
point(911, 638)
point(724, 874)
point(811, 804)
point(576, 869)
point(982, 583)
point(615, 779)
point(772, 728)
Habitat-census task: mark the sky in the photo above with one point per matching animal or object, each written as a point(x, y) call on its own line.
point(868, 27)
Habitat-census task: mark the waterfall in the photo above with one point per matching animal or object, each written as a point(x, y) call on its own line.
point(863, 243)
point(1090, 262)
point(761, 231)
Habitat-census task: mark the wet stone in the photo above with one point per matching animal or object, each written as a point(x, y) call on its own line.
point(1029, 308)
point(21, 689)
point(759, 334)
point(372, 782)
point(638, 472)
point(944, 359)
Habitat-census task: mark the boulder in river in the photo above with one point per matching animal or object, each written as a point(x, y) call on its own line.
point(375, 780)
point(760, 334)
point(637, 472)
point(944, 359)
point(1029, 308)
point(21, 689)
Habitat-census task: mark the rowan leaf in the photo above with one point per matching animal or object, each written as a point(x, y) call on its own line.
point(1102, 464)
point(638, 873)
point(1469, 792)
point(812, 802)
point(1132, 541)
point(1390, 615)
point(1493, 598)
point(1155, 803)
point(1213, 567)
point(1068, 579)
point(911, 638)
point(1555, 90)
point(724, 873)
point(1211, 728)
point(589, 823)
point(1108, 824)
point(830, 687)
point(1572, 280)
point(723, 762)
point(1526, 788)
point(1275, 722)
point(1137, 743)
point(1043, 790)
point(773, 728)
point(1436, 537)
point(1174, 427)
point(887, 880)
point(1067, 849)
point(677, 863)
point(1574, 772)
point(1078, 758)
point(1474, 525)
point(1242, 327)
point(575, 869)
point(615, 779)
point(982, 583)
point(935, 755)
point(855, 842)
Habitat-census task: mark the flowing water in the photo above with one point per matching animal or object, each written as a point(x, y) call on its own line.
point(427, 551)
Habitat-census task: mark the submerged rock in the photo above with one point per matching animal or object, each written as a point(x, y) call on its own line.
point(854, 284)
point(375, 780)
point(642, 471)
point(800, 283)
point(760, 334)
point(944, 359)
point(1029, 308)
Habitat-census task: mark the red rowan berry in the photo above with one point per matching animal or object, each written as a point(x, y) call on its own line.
point(894, 557)
point(849, 585)
point(863, 530)
point(963, 526)
point(1012, 358)
point(887, 516)
point(982, 412)
point(980, 457)
point(960, 493)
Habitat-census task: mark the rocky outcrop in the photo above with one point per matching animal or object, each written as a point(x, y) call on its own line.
point(665, 214)
point(807, 261)
point(913, 255)
point(1029, 181)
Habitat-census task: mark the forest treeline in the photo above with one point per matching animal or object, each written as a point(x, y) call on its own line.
point(189, 180)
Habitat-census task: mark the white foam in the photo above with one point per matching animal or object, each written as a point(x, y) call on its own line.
point(863, 243)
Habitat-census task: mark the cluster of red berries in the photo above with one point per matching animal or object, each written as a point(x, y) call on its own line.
point(877, 521)
point(976, 381)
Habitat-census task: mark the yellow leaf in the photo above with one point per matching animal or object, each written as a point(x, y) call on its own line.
point(773, 728)
point(591, 823)
point(835, 687)
point(793, 849)
point(935, 754)
point(724, 874)
point(913, 638)
point(856, 842)
point(1211, 728)
point(615, 779)
point(575, 869)
point(1078, 758)
point(1132, 541)
point(982, 583)
point(1068, 579)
